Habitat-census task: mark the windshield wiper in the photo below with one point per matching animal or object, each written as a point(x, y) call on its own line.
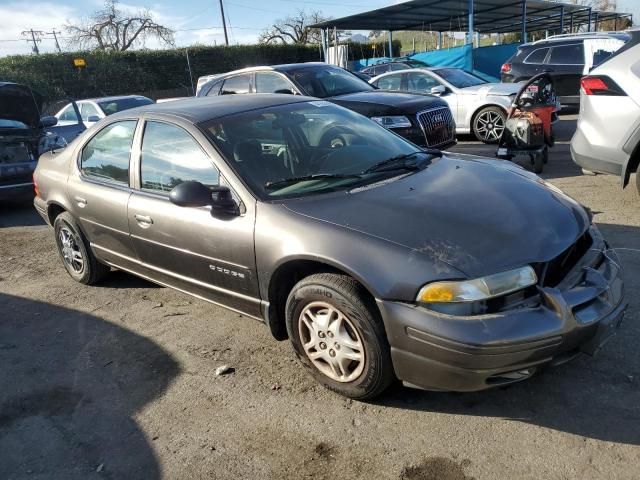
point(389, 163)
point(303, 178)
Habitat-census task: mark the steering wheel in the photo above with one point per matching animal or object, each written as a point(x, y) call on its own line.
point(335, 137)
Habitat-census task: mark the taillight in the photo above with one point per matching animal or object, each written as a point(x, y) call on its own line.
point(506, 68)
point(35, 186)
point(600, 85)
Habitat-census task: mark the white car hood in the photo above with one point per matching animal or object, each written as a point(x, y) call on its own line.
point(492, 89)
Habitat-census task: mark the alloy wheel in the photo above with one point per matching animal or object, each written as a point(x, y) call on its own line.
point(490, 125)
point(331, 342)
point(71, 253)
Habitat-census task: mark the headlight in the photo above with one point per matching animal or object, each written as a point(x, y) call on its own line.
point(478, 289)
point(394, 121)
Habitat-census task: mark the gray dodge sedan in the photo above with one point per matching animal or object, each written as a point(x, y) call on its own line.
point(377, 259)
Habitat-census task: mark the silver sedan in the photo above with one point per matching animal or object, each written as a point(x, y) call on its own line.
point(478, 107)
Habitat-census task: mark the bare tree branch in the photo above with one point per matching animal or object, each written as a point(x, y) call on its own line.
point(295, 29)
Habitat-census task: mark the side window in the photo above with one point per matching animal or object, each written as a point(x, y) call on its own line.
point(537, 56)
point(420, 82)
point(390, 82)
point(214, 89)
point(88, 110)
point(567, 55)
point(237, 84)
point(69, 114)
point(271, 83)
point(171, 156)
point(106, 156)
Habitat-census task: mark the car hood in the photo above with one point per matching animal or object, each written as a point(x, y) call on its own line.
point(492, 89)
point(479, 216)
point(20, 103)
point(377, 102)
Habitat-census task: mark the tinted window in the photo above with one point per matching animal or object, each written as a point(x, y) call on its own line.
point(420, 82)
point(88, 110)
point(271, 83)
point(106, 156)
point(328, 81)
point(110, 107)
point(567, 55)
point(390, 82)
point(237, 84)
point(171, 156)
point(69, 114)
point(537, 56)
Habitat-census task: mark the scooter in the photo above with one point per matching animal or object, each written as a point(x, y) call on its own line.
point(529, 125)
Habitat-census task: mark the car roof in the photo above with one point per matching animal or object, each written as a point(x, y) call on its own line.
point(575, 38)
point(285, 67)
point(110, 99)
point(202, 109)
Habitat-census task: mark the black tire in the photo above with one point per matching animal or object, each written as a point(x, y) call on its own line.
point(537, 162)
point(545, 155)
point(638, 179)
point(91, 271)
point(348, 297)
point(477, 125)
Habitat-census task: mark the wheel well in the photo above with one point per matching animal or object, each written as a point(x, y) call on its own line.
point(53, 211)
point(282, 282)
point(632, 165)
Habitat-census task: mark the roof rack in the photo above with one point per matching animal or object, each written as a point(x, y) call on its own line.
point(581, 34)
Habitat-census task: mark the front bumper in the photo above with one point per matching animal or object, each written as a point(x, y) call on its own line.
point(441, 352)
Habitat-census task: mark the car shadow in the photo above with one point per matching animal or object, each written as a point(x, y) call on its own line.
point(121, 279)
point(70, 386)
point(597, 398)
point(21, 214)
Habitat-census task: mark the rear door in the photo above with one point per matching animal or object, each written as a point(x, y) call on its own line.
point(189, 248)
point(566, 63)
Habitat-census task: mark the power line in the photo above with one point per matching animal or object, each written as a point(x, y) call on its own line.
point(34, 34)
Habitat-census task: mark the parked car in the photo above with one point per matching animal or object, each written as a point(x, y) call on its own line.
point(566, 57)
point(402, 63)
point(607, 139)
point(93, 110)
point(478, 107)
point(203, 80)
point(425, 120)
point(377, 259)
point(24, 136)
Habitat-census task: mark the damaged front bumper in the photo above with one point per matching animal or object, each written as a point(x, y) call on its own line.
point(442, 352)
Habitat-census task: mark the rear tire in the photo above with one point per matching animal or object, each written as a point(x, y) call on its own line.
point(337, 333)
point(488, 124)
point(75, 252)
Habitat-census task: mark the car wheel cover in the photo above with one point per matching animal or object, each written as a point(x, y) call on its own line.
point(71, 254)
point(490, 125)
point(331, 342)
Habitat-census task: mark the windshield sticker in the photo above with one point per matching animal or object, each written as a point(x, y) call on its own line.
point(321, 103)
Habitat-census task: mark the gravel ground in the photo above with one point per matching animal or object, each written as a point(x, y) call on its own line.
point(118, 381)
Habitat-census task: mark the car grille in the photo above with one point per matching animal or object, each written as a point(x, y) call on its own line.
point(550, 274)
point(438, 126)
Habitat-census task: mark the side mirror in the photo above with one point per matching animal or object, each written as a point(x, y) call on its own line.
point(49, 121)
point(223, 204)
point(438, 90)
point(93, 118)
point(190, 194)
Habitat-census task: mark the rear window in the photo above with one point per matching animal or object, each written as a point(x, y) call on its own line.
point(537, 56)
point(567, 55)
point(236, 85)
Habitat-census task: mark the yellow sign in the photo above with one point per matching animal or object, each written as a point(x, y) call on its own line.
point(79, 62)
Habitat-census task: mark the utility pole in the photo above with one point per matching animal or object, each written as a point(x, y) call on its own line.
point(35, 40)
point(224, 24)
point(56, 39)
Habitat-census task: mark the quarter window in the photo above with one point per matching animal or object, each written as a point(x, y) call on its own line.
point(271, 83)
point(106, 156)
point(567, 55)
point(237, 84)
point(537, 56)
point(171, 156)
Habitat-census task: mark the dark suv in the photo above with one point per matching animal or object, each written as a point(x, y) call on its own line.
point(425, 120)
point(566, 57)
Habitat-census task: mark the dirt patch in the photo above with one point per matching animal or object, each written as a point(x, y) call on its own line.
point(437, 468)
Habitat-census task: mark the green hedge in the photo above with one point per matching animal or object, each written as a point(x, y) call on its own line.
point(155, 73)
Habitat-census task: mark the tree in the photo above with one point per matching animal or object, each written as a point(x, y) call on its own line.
point(113, 29)
point(295, 30)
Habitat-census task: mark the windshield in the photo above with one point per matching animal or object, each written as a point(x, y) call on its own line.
point(305, 148)
point(109, 107)
point(459, 78)
point(323, 82)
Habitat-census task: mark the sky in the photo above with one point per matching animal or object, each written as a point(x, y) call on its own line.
point(195, 21)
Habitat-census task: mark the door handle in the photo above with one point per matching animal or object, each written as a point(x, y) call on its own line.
point(143, 220)
point(82, 202)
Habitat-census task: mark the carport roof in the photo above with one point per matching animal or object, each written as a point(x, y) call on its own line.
point(490, 16)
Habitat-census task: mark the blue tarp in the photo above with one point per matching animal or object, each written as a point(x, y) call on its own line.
point(488, 60)
point(459, 57)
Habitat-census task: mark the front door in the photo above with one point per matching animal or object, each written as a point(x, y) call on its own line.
point(189, 248)
point(99, 191)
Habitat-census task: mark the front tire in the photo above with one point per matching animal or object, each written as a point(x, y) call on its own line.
point(337, 333)
point(488, 124)
point(75, 252)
